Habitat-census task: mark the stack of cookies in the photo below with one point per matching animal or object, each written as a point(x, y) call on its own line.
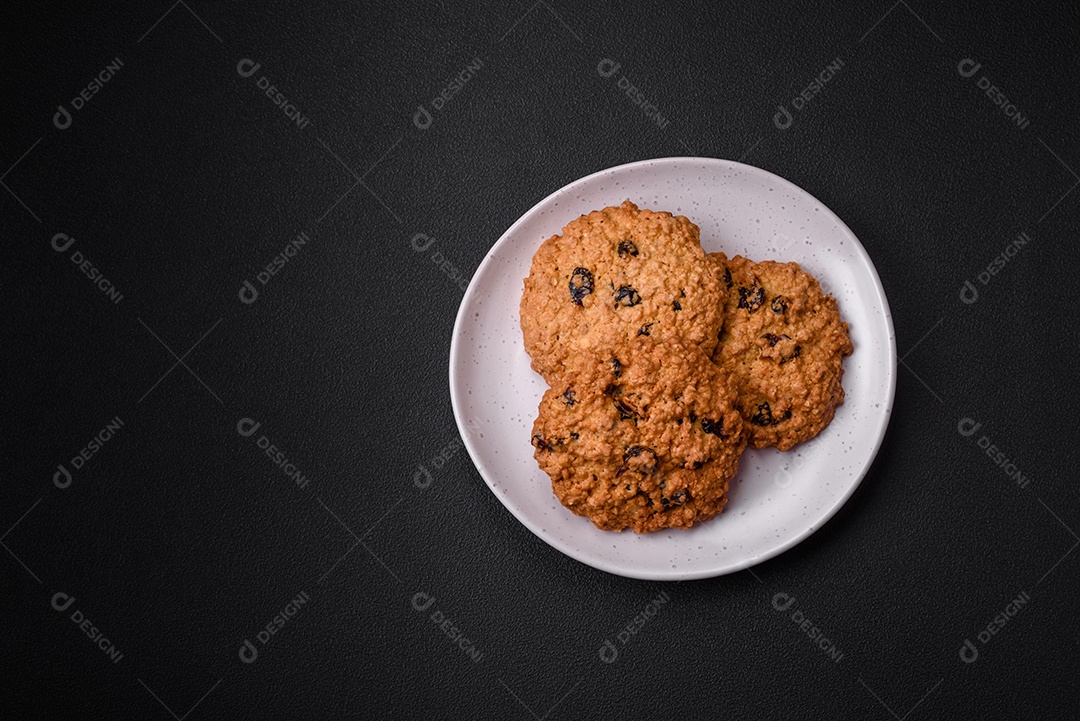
point(665, 362)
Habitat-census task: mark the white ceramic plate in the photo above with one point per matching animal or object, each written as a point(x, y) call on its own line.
point(777, 499)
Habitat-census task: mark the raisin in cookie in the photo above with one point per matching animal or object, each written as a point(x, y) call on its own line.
point(614, 275)
point(783, 340)
point(646, 439)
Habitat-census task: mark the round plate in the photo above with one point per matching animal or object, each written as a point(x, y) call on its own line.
point(777, 499)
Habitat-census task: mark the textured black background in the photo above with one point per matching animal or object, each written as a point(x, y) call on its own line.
point(179, 180)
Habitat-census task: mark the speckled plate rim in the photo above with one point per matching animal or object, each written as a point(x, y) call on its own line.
point(553, 539)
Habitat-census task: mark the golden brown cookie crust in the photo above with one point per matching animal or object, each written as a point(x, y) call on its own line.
point(784, 342)
point(614, 275)
point(647, 440)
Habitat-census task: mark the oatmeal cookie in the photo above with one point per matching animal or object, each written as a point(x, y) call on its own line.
point(646, 439)
point(784, 342)
point(614, 275)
